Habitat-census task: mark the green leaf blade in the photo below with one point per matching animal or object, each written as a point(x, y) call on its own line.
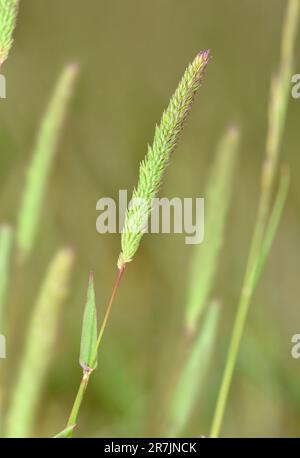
point(89, 330)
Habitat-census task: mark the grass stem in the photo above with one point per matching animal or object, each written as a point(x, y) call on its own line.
point(108, 310)
point(78, 400)
point(87, 372)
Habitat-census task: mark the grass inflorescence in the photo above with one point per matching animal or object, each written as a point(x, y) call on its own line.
point(8, 16)
point(153, 166)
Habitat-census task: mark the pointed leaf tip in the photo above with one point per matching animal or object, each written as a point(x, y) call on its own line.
point(89, 329)
point(65, 433)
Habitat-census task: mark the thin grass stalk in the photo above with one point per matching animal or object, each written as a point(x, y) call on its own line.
point(280, 91)
point(39, 346)
point(252, 280)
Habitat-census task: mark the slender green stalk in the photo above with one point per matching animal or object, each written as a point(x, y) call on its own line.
point(8, 15)
point(277, 113)
point(107, 313)
point(78, 400)
point(42, 160)
point(247, 292)
point(39, 346)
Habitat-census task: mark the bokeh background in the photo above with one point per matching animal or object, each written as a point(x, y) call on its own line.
point(131, 56)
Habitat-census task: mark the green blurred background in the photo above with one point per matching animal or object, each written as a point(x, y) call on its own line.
point(132, 54)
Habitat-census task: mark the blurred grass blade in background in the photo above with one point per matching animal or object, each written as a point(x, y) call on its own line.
point(89, 330)
point(280, 93)
point(190, 382)
point(5, 250)
point(39, 346)
point(204, 266)
point(273, 223)
point(252, 280)
point(8, 15)
point(217, 200)
point(279, 97)
point(43, 155)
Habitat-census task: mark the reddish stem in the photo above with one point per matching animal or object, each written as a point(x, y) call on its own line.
point(108, 310)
